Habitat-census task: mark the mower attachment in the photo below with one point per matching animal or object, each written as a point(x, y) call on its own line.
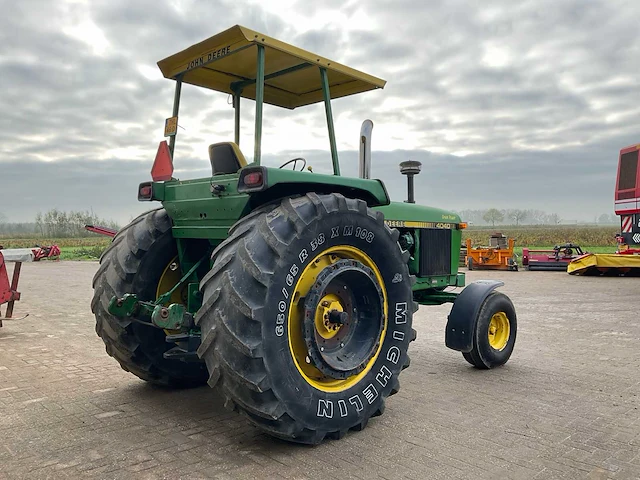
point(555, 259)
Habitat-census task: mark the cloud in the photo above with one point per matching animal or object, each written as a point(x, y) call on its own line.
point(521, 104)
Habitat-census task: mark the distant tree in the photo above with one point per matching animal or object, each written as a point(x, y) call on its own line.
point(607, 219)
point(554, 219)
point(472, 216)
point(518, 215)
point(59, 224)
point(39, 223)
point(3, 217)
point(537, 216)
point(492, 216)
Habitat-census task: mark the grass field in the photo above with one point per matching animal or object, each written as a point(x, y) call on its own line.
point(594, 239)
point(528, 236)
point(83, 248)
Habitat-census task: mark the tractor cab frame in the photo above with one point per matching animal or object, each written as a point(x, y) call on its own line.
point(235, 62)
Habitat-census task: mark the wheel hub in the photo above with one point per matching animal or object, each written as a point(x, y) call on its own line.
point(329, 316)
point(343, 319)
point(499, 331)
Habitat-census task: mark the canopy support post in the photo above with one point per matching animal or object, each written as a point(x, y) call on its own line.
point(327, 108)
point(176, 108)
point(236, 107)
point(259, 104)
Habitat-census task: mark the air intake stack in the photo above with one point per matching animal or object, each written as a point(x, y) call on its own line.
point(410, 168)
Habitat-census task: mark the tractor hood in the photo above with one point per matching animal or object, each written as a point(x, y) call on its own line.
point(401, 214)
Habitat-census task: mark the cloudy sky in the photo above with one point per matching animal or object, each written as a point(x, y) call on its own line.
point(508, 104)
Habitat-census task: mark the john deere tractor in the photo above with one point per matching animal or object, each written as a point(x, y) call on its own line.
point(291, 292)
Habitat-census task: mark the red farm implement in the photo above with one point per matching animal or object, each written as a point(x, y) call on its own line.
point(8, 291)
point(49, 252)
point(555, 259)
point(109, 232)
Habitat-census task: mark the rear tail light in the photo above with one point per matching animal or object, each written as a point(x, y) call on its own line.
point(252, 179)
point(145, 191)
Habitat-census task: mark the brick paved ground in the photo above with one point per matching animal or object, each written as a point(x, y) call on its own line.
point(566, 406)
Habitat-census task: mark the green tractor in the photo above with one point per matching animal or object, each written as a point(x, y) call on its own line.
point(292, 292)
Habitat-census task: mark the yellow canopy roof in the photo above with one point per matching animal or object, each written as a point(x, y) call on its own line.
point(292, 76)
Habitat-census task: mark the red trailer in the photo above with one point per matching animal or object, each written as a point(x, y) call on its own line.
point(627, 200)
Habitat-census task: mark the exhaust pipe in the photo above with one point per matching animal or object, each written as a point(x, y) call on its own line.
point(364, 158)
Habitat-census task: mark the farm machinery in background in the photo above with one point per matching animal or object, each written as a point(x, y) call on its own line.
point(108, 232)
point(9, 289)
point(499, 255)
point(9, 293)
point(555, 259)
point(291, 292)
point(626, 260)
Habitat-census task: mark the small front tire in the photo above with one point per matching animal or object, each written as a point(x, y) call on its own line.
point(495, 334)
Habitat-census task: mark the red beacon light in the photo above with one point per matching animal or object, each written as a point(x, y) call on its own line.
point(163, 165)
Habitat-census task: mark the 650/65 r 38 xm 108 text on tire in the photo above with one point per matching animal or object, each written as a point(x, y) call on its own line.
point(306, 317)
point(138, 262)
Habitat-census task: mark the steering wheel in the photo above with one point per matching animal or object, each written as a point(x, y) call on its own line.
point(295, 163)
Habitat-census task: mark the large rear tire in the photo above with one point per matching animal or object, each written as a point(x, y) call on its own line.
point(136, 262)
point(306, 317)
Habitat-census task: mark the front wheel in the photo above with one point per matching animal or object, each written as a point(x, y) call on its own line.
point(495, 334)
point(306, 317)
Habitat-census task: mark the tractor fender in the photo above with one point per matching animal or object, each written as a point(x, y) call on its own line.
point(462, 320)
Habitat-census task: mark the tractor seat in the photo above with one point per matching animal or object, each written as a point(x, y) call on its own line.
point(226, 158)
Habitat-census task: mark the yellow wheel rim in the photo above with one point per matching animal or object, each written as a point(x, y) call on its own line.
point(170, 276)
point(499, 330)
point(295, 326)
